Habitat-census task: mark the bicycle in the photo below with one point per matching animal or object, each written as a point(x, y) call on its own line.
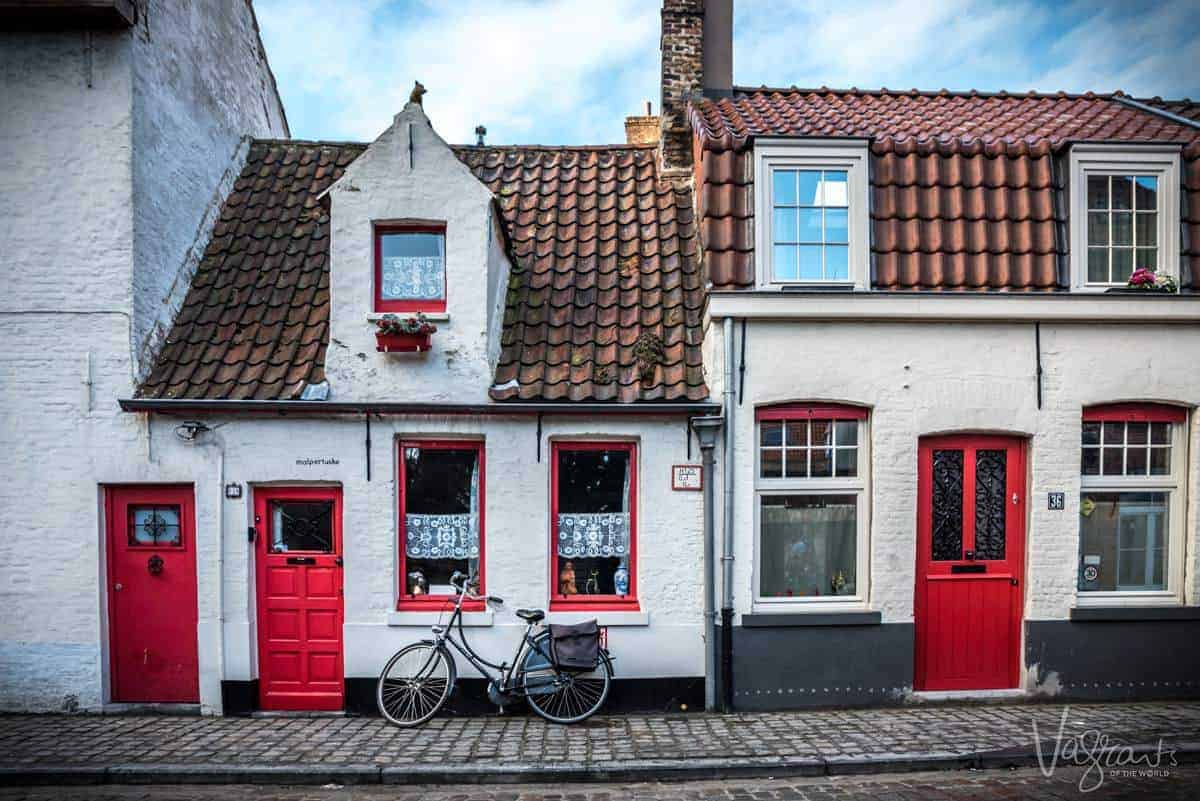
point(417, 681)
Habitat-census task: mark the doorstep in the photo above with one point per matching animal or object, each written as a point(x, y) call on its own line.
point(968, 696)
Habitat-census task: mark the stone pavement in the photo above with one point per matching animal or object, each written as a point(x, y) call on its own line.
point(360, 750)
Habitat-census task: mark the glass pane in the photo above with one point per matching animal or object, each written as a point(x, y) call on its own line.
point(822, 462)
point(797, 433)
point(808, 545)
point(1160, 461)
point(1097, 232)
point(834, 189)
point(1135, 462)
point(837, 262)
point(1146, 192)
point(1098, 265)
point(785, 225)
point(810, 262)
point(1091, 433)
point(846, 462)
point(821, 432)
point(846, 432)
point(1114, 461)
point(1160, 433)
point(593, 521)
point(1122, 192)
point(836, 222)
point(785, 263)
point(1123, 540)
point(797, 463)
point(1114, 433)
point(302, 526)
point(413, 266)
point(1122, 228)
point(810, 225)
point(784, 190)
point(1137, 433)
point(154, 525)
point(1097, 192)
point(771, 463)
point(1147, 229)
point(947, 504)
point(771, 434)
point(810, 188)
point(1147, 258)
point(990, 480)
point(1122, 264)
point(441, 517)
point(1091, 461)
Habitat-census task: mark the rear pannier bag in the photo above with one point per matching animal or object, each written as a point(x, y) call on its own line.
point(576, 647)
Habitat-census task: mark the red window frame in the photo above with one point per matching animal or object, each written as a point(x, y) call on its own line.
point(383, 229)
point(1134, 413)
point(405, 602)
point(579, 603)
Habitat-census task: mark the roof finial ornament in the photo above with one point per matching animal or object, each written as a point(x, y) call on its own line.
point(480, 132)
point(417, 93)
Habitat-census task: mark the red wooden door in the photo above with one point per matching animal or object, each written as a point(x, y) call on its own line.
point(152, 615)
point(970, 559)
point(299, 577)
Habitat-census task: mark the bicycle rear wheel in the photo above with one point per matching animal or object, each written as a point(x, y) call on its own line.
point(415, 684)
point(566, 696)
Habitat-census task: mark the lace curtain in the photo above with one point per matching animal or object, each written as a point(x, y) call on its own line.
point(441, 536)
point(591, 535)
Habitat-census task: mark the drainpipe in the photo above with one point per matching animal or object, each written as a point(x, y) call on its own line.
point(727, 456)
point(706, 429)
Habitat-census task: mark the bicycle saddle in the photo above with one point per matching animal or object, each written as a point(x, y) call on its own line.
point(532, 615)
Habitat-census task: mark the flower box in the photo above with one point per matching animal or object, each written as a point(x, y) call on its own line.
point(403, 343)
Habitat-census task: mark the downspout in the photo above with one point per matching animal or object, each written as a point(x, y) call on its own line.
point(727, 456)
point(706, 429)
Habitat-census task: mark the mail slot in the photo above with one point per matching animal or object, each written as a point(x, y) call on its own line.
point(302, 560)
point(968, 568)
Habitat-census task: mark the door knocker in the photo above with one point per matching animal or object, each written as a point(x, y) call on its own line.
point(154, 564)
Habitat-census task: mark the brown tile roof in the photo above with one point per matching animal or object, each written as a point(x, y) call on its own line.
point(1191, 183)
point(966, 191)
point(605, 302)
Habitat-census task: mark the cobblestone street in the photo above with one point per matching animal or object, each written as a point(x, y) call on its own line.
point(1178, 784)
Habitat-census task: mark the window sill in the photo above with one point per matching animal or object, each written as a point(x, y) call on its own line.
point(430, 618)
point(814, 618)
point(1097, 614)
point(604, 618)
point(596, 604)
point(433, 317)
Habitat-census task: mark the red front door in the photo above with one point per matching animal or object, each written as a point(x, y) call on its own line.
point(299, 577)
point(970, 558)
point(152, 613)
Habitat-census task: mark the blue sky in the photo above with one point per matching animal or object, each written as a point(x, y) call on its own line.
point(569, 71)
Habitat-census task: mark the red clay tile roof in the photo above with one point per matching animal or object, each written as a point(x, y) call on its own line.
point(966, 191)
point(605, 301)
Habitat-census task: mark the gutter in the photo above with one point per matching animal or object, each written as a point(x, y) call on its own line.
point(321, 408)
point(727, 463)
point(1162, 112)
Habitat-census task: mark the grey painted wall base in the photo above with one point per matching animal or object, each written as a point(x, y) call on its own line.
point(1112, 659)
point(790, 667)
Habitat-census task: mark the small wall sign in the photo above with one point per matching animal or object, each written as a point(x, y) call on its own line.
point(1056, 501)
point(233, 490)
point(688, 477)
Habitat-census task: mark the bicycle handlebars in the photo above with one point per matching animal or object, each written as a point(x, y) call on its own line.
point(463, 584)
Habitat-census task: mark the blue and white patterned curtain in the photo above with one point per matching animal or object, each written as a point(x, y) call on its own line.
point(593, 535)
point(441, 536)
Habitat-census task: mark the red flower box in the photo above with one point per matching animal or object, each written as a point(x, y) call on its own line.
point(403, 343)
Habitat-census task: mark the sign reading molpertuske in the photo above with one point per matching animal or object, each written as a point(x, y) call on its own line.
point(686, 477)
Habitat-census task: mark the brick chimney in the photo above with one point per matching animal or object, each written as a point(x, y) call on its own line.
point(642, 130)
point(697, 58)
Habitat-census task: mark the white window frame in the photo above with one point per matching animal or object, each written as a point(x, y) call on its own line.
point(858, 485)
point(1157, 160)
point(1174, 483)
point(813, 154)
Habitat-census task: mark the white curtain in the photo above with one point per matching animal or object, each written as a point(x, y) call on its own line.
point(591, 535)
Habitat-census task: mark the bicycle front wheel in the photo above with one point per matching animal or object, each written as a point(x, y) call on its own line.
point(566, 696)
point(415, 684)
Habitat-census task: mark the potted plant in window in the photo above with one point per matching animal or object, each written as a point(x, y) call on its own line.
point(1147, 280)
point(395, 334)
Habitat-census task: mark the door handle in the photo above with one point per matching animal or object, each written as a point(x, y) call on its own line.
point(1014, 581)
point(338, 561)
point(118, 586)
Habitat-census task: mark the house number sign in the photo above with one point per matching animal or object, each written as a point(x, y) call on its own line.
point(1056, 501)
point(687, 477)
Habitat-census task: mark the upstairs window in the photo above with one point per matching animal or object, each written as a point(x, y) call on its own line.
point(1131, 527)
point(1125, 214)
point(410, 268)
point(812, 199)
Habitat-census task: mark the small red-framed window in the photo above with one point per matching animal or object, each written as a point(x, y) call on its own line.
point(593, 526)
point(155, 526)
point(1134, 413)
point(442, 490)
point(410, 267)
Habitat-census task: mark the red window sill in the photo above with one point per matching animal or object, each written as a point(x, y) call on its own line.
point(436, 603)
point(594, 603)
point(409, 306)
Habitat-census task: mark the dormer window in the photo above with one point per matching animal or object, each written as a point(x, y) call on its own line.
point(812, 207)
point(410, 267)
point(1124, 213)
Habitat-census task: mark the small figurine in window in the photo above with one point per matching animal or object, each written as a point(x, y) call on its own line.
point(593, 583)
point(566, 579)
point(839, 583)
point(417, 583)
